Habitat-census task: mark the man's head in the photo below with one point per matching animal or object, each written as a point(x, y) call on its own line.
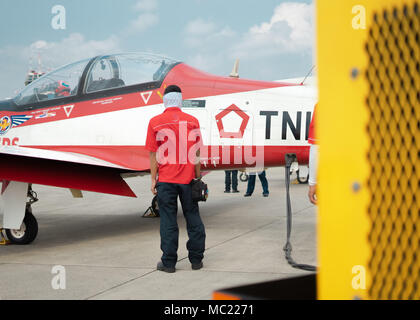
point(172, 97)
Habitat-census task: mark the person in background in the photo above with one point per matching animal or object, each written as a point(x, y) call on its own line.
point(231, 178)
point(313, 160)
point(62, 90)
point(251, 183)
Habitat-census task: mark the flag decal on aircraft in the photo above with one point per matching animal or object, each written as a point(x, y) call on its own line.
point(45, 114)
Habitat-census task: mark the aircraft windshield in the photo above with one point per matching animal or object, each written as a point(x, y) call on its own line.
point(114, 71)
point(59, 83)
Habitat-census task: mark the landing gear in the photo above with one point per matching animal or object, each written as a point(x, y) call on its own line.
point(27, 232)
point(302, 181)
point(29, 228)
point(243, 177)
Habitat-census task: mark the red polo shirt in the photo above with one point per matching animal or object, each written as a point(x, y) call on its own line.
point(311, 136)
point(175, 137)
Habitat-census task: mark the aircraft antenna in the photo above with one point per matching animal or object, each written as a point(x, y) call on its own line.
point(234, 73)
point(310, 71)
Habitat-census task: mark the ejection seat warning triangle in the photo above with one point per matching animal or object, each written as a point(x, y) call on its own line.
point(146, 96)
point(68, 110)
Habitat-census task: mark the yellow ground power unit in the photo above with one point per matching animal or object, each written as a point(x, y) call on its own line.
point(368, 124)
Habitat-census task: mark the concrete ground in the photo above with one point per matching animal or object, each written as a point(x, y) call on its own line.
point(110, 252)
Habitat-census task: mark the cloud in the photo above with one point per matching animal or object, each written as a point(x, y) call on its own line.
point(143, 22)
point(284, 41)
point(146, 5)
point(72, 48)
point(289, 30)
point(198, 32)
point(199, 27)
point(146, 18)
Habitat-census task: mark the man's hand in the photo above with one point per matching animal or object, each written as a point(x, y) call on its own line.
point(153, 187)
point(312, 194)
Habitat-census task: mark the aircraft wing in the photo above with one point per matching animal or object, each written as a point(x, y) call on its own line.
point(62, 169)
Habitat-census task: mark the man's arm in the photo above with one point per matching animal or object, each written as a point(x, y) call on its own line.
point(152, 146)
point(153, 171)
point(313, 166)
point(198, 166)
point(313, 163)
point(198, 144)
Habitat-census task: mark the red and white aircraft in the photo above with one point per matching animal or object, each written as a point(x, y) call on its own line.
point(83, 127)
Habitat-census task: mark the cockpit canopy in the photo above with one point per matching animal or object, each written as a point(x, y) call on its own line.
point(97, 74)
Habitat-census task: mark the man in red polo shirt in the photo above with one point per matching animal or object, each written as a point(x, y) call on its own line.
point(174, 139)
point(313, 160)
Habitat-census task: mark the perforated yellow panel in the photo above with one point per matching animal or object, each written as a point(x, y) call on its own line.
point(368, 125)
point(393, 100)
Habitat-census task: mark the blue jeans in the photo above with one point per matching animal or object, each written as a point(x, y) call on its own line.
point(251, 183)
point(167, 196)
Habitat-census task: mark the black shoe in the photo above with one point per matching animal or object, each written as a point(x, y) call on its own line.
point(197, 266)
point(265, 194)
point(247, 194)
point(235, 191)
point(161, 267)
point(227, 191)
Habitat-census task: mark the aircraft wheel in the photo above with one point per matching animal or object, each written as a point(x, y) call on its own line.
point(302, 181)
point(27, 232)
point(243, 177)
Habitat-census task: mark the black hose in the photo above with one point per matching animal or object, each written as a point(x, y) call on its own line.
point(290, 158)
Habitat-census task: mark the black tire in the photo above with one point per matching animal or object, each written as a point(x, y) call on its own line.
point(243, 177)
point(27, 232)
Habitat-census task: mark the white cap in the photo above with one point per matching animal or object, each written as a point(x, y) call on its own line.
point(172, 99)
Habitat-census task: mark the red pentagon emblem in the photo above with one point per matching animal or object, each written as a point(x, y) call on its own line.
point(239, 112)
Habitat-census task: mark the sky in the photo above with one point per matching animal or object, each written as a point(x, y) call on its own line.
point(273, 39)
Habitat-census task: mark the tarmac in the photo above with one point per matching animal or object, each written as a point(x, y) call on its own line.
point(109, 251)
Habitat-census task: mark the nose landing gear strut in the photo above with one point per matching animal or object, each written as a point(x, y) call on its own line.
point(29, 227)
